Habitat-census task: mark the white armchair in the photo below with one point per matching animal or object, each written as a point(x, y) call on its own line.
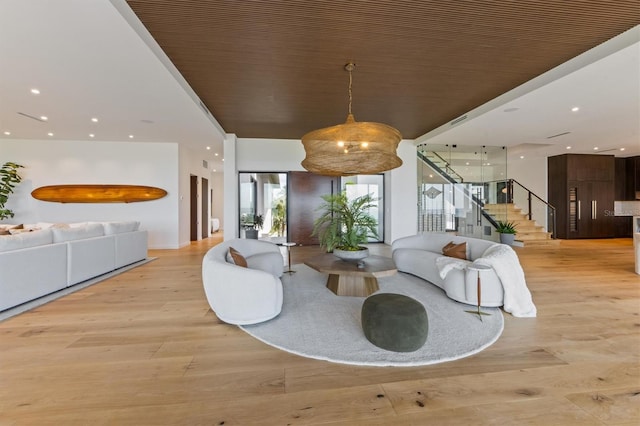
point(240, 295)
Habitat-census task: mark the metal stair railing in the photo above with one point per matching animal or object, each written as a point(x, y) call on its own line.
point(531, 197)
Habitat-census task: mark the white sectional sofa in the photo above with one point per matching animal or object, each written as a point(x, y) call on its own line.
point(34, 264)
point(417, 255)
point(503, 282)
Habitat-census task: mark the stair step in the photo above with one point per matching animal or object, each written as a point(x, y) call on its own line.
point(533, 236)
point(541, 243)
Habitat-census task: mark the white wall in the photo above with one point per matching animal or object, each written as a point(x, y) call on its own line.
point(191, 165)
point(230, 187)
point(217, 198)
point(532, 173)
point(269, 155)
point(85, 162)
point(401, 191)
point(286, 155)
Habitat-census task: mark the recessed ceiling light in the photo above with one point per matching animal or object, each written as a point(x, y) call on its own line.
point(568, 147)
point(208, 148)
point(35, 91)
point(467, 163)
point(130, 136)
point(430, 176)
point(521, 157)
point(91, 135)
point(94, 119)
point(214, 170)
point(7, 133)
point(216, 154)
point(488, 164)
point(575, 109)
point(49, 134)
point(44, 118)
point(595, 148)
point(621, 149)
point(223, 159)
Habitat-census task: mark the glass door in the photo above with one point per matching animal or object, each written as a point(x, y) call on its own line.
point(263, 206)
point(357, 186)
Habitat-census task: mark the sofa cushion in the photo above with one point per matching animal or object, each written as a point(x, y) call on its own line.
point(90, 230)
point(25, 240)
point(455, 250)
point(237, 258)
point(270, 262)
point(111, 228)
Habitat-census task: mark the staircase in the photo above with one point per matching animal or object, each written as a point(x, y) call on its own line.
point(527, 230)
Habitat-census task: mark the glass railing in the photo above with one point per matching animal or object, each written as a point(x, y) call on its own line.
point(462, 189)
point(452, 188)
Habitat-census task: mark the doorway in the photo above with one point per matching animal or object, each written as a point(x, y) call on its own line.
point(205, 209)
point(193, 196)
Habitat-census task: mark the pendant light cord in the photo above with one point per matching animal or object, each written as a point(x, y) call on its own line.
point(350, 92)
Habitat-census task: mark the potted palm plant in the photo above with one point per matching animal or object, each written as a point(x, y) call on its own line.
point(344, 225)
point(507, 232)
point(9, 178)
point(258, 222)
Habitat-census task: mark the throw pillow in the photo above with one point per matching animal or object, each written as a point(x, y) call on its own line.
point(6, 229)
point(238, 259)
point(455, 250)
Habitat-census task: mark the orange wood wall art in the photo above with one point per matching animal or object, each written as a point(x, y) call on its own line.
point(97, 193)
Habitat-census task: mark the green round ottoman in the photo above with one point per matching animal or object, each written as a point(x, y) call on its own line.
point(395, 322)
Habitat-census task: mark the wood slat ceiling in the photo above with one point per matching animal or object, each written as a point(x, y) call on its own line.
point(274, 68)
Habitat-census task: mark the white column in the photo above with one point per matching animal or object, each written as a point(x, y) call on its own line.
point(230, 188)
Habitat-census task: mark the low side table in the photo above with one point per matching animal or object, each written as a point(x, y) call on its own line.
point(479, 269)
point(288, 245)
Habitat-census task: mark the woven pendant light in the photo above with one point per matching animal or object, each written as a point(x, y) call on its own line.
point(352, 148)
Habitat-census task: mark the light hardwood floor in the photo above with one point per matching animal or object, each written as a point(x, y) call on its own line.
point(143, 348)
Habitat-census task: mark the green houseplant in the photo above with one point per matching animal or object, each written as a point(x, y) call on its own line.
point(279, 218)
point(9, 178)
point(507, 232)
point(345, 224)
point(258, 222)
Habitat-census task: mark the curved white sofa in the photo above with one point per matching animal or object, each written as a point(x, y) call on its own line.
point(34, 264)
point(240, 295)
point(417, 255)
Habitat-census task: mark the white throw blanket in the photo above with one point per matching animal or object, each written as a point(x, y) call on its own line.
point(446, 264)
point(517, 298)
point(504, 261)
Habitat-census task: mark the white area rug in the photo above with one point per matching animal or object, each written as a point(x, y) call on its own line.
point(316, 323)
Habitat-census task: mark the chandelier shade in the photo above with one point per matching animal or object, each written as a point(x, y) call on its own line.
point(352, 148)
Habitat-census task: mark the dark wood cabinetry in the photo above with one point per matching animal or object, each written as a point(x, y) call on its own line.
point(581, 187)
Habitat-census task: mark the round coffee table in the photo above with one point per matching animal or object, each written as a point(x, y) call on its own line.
point(348, 279)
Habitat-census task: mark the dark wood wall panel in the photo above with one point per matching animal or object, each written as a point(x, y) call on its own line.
point(305, 190)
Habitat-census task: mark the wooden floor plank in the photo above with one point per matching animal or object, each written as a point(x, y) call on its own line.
point(143, 347)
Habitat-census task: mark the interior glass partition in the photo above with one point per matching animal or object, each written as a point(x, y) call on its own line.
point(457, 185)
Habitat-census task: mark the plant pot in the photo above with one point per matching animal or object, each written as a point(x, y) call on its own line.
point(251, 233)
point(351, 256)
point(507, 238)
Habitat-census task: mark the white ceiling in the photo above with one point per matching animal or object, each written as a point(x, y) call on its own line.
point(604, 83)
point(95, 59)
point(88, 61)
